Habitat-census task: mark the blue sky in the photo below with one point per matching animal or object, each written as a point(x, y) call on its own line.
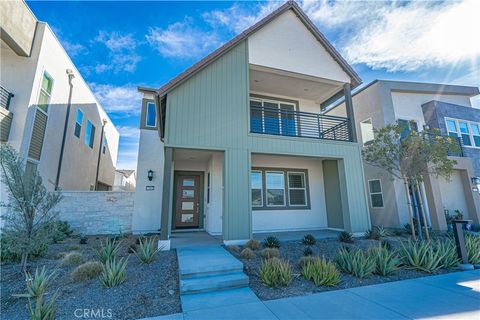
point(120, 45)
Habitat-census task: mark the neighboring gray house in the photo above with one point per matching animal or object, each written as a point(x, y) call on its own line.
point(421, 106)
point(236, 144)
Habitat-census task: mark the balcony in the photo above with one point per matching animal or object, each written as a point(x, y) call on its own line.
point(291, 123)
point(5, 115)
point(457, 150)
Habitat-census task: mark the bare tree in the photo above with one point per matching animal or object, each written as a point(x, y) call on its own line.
point(30, 214)
point(410, 156)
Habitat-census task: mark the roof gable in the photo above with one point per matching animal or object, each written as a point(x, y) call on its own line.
point(290, 5)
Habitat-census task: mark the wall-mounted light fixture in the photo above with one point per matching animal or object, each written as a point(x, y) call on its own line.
point(475, 180)
point(150, 175)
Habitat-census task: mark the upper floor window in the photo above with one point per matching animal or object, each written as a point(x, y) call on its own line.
point(78, 123)
point(45, 92)
point(104, 147)
point(272, 117)
point(366, 128)
point(376, 194)
point(151, 115)
point(407, 126)
point(90, 134)
point(468, 131)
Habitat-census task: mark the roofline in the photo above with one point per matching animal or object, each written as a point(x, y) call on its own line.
point(146, 89)
point(354, 77)
point(425, 87)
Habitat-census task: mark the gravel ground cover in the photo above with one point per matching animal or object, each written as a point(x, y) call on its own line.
point(293, 251)
point(149, 289)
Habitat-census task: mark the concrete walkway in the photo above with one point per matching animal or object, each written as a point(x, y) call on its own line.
point(450, 296)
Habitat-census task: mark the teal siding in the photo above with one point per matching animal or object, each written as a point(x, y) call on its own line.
point(210, 111)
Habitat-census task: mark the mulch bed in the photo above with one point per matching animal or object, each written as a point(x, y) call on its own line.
point(149, 290)
point(293, 251)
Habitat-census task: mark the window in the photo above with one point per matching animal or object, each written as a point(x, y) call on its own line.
point(257, 188)
point(104, 147)
point(151, 116)
point(90, 134)
point(273, 117)
point(275, 187)
point(376, 196)
point(45, 92)
point(279, 189)
point(467, 131)
point(366, 128)
point(78, 123)
point(407, 125)
point(208, 187)
point(297, 190)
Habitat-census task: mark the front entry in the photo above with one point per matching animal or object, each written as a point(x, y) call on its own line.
point(188, 189)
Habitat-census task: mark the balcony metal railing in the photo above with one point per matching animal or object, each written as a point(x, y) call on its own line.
point(281, 122)
point(5, 97)
point(457, 150)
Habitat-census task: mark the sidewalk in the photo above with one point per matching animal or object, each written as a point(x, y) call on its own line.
point(450, 296)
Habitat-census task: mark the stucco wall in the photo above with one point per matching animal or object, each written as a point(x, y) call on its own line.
point(98, 212)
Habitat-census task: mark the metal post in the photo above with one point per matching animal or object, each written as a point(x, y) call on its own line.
point(460, 239)
point(352, 131)
point(104, 121)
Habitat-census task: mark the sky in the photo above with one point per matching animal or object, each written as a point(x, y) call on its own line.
point(119, 45)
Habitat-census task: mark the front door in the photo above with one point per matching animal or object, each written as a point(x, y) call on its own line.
point(187, 203)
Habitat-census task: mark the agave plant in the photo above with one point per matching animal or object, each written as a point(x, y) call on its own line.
point(355, 262)
point(472, 245)
point(43, 309)
point(448, 251)
point(386, 262)
point(38, 283)
point(420, 256)
point(321, 272)
point(108, 250)
point(113, 272)
point(147, 249)
point(276, 273)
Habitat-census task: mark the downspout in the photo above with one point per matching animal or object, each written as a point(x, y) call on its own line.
point(65, 127)
point(104, 121)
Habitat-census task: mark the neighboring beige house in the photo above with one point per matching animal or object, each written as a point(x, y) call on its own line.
point(125, 180)
point(446, 108)
point(236, 144)
point(39, 85)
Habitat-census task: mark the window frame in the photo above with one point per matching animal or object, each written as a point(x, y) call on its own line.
point(278, 102)
point(90, 138)
point(286, 205)
point(104, 145)
point(361, 131)
point(261, 188)
point(459, 132)
point(304, 189)
point(147, 113)
point(79, 124)
point(45, 74)
point(284, 189)
point(370, 193)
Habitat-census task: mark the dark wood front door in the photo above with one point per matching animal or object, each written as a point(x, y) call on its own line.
point(187, 202)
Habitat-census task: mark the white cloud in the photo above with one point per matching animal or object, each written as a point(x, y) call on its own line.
point(122, 99)
point(128, 132)
point(401, 36)
point(182, 40)
point(122, 52)
point(73, 49)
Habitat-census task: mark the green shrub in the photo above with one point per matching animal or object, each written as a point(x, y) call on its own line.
point(83, 240)
point(38, 283)
point(271, 242)
point(147, 249)
point(386, 262)
point(321, 272)
point(448, 252)
point(355, 262)
point(276, 273)
point(60, 230)
point(472, 244)
point(309, 240)
point(233, 248)
point(372, 234)
point(72, 259)
point(420, 256)
point(61, 255)
point(247, 253)
point(108, 250)
point(113, 272)
point(43, 309)
point(88, 270)
point(253, 244)
point(345, 236)
point(269, 253)
point(6, 254)
point(386, 244)
point(307, 251)
point(304, 260)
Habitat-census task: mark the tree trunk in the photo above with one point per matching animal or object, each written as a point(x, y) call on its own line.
point(409, 205)
point(422, 210)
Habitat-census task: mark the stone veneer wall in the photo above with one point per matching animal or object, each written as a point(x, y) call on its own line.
point(98, 212)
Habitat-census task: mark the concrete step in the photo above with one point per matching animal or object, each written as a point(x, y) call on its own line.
point(213, 283)
point(212, 270)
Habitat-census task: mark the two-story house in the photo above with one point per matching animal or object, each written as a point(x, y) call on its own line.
point(236, 144)
point(421, 106)
point(48, 112)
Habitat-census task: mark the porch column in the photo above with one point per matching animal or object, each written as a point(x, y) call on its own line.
point(435, 204)
point(166, 215)
point(352, 131)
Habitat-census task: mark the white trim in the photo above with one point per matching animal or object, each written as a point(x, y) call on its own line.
point(146, 115)
point(304, 189)
point(370, 193)
point(266, 189)
point(235, 242)
point(261, 188)
point(459, 132)
point(361, 131)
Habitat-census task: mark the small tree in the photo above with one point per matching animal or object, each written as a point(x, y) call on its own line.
point(30, 216)
point(410, 156)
